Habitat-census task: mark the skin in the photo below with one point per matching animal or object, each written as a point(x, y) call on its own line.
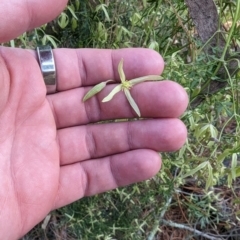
point(50, 155)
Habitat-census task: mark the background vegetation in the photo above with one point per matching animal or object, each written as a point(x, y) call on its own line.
point(196, 195)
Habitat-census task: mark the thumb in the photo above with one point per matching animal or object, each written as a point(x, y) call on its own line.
point(19, 16)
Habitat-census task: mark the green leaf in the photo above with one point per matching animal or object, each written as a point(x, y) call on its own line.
point(105, 12)
point(63, 20)
point(233, 166)
point(237, 171)
point(196, 91)
point(12, 43)
point(74, 24)
point(132, 102)
point(119, 34)
point(136, 18)
point(210, 179)
point(96, 89)
point(154, 45)
point(102, 32)
point(199, 167)
point(121, 72)
point(213, 131)
point(112, 93)
point(126, 32)
point(44, 40)
point(145, 78)
point(70, 8)
point(52, 40)
point(103, 8)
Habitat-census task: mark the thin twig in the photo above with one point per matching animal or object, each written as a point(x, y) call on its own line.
point(179, 204)
point(195, 231)
point(156, 225)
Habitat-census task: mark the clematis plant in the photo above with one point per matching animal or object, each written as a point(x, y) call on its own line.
point(125, 86)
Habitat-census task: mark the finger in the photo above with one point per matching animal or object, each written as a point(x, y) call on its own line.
point(164, 99)
point(97, 176)
point(87, 67)
point(94, 141)
point(18, 16)
point(4, 84)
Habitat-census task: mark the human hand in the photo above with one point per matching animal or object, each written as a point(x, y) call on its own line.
point(50, 154)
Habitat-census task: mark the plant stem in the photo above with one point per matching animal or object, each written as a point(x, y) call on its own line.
point(156, 225)
point(222, 58)
point(182, 226)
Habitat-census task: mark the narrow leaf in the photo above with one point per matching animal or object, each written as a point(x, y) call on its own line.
point(121, 72)
point(72, 12)
point(112, 93)
point(193, 171)
point(210, 179)
point(96, 89)
point(105, 12)
point(233, 166)
point(145, 78)
point(132, 102)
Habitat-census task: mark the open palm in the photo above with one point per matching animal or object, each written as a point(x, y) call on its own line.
point(52, 153)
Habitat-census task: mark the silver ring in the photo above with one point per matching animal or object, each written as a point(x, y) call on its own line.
point(48, 69)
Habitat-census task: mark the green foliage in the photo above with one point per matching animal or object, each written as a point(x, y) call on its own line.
point(195, 179)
